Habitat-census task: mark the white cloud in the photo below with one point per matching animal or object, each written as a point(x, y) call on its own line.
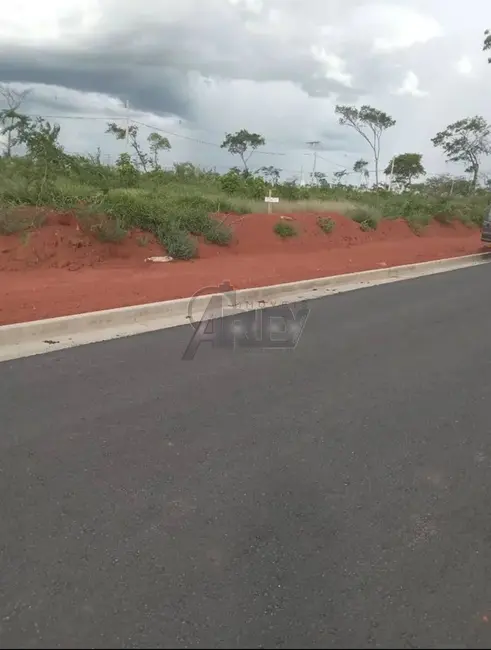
point(274, 66)
point(55, 21)
point(334, 66)
point(255, 6)
point(410, 86)
point(464, 66)
point(396, 27)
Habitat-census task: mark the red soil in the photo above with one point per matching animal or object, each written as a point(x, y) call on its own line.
point(59, 270)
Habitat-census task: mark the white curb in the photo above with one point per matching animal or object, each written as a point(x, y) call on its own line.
point(35, 337)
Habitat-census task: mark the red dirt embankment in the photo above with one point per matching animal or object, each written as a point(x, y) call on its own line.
point(59, 270)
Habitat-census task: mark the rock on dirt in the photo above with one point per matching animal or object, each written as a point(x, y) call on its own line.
point(160, 258)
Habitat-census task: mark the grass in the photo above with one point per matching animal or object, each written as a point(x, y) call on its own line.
point(179, 244)
point(418, 223)
point(103, 227)
point(12, 221)
point(218, 233)
point(284, 229)
point(443, 218)
point(326, 224)
point(143, 240)
point(179, 206)
point(365, 216)
point(368, 225)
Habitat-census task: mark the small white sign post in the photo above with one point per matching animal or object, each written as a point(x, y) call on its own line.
point(270, 200)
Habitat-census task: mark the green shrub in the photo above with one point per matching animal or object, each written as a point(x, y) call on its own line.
point(362, 213)
point(326, 224)
point(443, 218)
point(109, 230)
point(193, 220)
point(418, 223)
point(218, 233)
point(179, 244)
point(12, 221)
point(367, 225)
point(105, 228)
point(284, 229)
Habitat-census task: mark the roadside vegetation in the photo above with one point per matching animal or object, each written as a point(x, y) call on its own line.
point(187, 202)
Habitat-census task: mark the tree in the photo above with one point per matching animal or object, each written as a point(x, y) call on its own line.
point(321, 179)
point(370, 123)
point(361, 167)
point(132, 135)
point(271, 174)
point(243, 144)
point(41, 141)
point(445, 184)
point(487, 43)
point(466, 141)
point(10, 118)
point(339, 175)
point(45, 154)
point(405, 167)
point(157, 143)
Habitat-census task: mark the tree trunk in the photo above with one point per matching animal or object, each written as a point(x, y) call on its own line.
point(246, 169)
point(8, 152)
point(474, 177)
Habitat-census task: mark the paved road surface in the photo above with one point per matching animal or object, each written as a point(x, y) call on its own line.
point(337, 496)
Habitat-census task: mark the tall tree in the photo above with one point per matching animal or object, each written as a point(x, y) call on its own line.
point(487, 43)
point(466, 141)
point(10, 118)
point(405, 167)
point(271, 174)
point(243, 144)
point(131, 135)
point(339, 175)
point(321, 179)
point(157, 143)
point(361, 167)
point(370, 123)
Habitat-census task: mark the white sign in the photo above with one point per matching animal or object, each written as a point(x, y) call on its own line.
point(271, 199)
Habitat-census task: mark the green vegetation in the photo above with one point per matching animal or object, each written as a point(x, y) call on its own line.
point(326, 224)
point(367, 218)
point(12, 222)
point(179, 205)
point(284, 229)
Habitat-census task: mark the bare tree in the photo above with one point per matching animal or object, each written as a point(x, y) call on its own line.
point(368, 122)
point(467, 141)
point(10, 116)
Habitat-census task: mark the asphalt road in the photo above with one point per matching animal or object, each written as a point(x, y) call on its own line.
point(333, 496)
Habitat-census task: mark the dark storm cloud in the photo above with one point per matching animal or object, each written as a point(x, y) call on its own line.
point(162, 91)
point(151, 63)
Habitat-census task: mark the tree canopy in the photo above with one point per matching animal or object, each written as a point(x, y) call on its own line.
point(368, 122)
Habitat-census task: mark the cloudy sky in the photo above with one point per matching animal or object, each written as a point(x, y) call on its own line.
point(199, 68)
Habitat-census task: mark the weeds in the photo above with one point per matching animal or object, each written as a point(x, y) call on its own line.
point(365, 217)
point(443, 218)
point(284, 229)
point(25, 237)
point(179, 244)
point(368, 225)
point(326, 224)
point(13, 221)
point(218, 233)
point(418, 223)
point(110, 230)
point(104, 228)
point(143, 240)
point(177, 206)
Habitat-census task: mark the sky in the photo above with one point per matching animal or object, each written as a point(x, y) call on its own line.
point(197, 69)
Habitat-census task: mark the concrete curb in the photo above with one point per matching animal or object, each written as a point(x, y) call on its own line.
point(244, 299)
